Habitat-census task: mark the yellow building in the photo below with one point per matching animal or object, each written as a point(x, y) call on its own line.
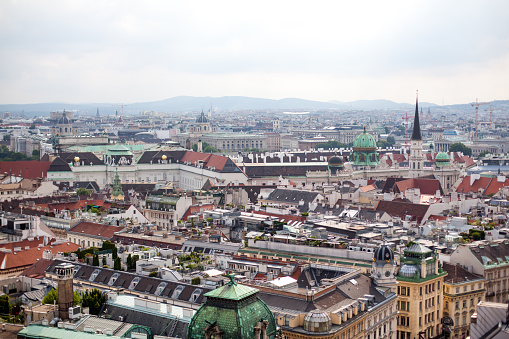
point(462, 292)
point(420, 286)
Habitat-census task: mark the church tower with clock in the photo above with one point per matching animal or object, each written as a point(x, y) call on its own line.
point(383, 269)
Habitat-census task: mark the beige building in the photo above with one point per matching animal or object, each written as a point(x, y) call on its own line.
point(463, 291)
point(420, 294)
point(490, 260)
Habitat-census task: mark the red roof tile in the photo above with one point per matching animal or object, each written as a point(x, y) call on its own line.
point(27, 169)
point(426, 186)
point(93, 229)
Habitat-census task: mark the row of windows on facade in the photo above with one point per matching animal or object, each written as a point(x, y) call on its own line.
point(465, 288)
point(464, 303)
point(429, 333)
point(405, 291)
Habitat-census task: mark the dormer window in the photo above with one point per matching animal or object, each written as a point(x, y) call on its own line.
point(177, 292)
point(113, 278)
point(134, 283)
point(196, 294)
point(160, 288)
point(94, 275)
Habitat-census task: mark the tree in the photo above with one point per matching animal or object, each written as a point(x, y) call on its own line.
point(7, 137)
point(331, 144)
point(5, 306)
point(104, 261)
point(195, 281)
point(36, 154)
point(206, 148)
point(153, 274)
point(129, 261)
point(83, 191)
point(114, 253)
point(483, 154)
point(460, 147)
point(95, 260)
point(52, 297)
point(94, 300)
point(117, 266)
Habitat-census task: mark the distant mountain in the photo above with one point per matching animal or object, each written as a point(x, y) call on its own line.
point(380, 104)
point(189, 103)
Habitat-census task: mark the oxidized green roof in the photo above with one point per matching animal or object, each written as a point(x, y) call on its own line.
point(40, 331)
point(364, 140)
point(232, 291)
point(235, 310)
point(118, 150)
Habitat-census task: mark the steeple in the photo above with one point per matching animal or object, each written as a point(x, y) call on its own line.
point(416, 134)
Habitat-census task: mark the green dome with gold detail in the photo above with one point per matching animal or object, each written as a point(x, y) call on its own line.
point(364, 150)
point(232, 311)
point(442, 159)
point(364, 140)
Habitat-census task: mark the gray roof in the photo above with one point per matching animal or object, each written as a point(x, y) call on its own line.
point(292, 196)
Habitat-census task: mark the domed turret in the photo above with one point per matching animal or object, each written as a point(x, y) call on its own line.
point(442, 159)
point(232, 311)
point(202, 118)
point(63, 120)
point(383, 253)
point(364, 150)
point(317, 321)
point(335, 161)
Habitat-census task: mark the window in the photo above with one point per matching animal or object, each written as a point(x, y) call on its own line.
point(464, 303)
point(465, 288)
point(421, 290)
point(457, 290)
point(457, 305)
point(464, 320)
point(472, 302)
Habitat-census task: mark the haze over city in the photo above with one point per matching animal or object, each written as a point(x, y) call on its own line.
point(130, 51)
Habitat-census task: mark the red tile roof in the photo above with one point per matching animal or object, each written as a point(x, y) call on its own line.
point(426, 186)
point(37, 270)
point(484, 185)
point(24, 243)
point(27, 169)
point(196, 209)
point(27, 257)
point(97, 230)
point(402, 209)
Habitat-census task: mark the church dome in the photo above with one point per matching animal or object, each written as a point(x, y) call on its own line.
point(383, 253)
point(202, 118)
point(317, 321)
point(442, 159)
point(234, 310)
point(335, 161)
point(63, 120)
point(364, 141)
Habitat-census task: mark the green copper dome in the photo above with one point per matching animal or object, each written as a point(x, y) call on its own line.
point(442, 159)
point(364, 150)
point(364, 140)
point(234, 311)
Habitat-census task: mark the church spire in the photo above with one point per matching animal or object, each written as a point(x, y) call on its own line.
point(416, 134)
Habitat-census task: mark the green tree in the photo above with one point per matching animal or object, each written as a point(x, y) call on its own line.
point(460, 147)
point(117, 266)
point(153, 274)
point(94, 300)
point(36, 154)
point(5, 306)
point(483, 154)
point(83, 191)
point(95, 260)
point(52, 296)
point(331, 144)
point(129, 261)
point(104, 261)
point(206, 148)
point(7, 137)
point(134, 259)
point(114, 253)
point(108, 245)
point(195, 281)
point(391, 141)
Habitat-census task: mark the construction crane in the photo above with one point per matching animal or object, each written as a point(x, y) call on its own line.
point(491, 114)
point(476, 104)
point(406, 118)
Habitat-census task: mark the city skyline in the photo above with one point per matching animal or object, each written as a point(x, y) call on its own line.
point(82, 52)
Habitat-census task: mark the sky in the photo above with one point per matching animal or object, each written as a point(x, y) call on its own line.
point(134, 51)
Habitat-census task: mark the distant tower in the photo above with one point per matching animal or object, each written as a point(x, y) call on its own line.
point(416, 159)
point(65, 273)
point(384, 268)
point(276, 125)
point(98, 115)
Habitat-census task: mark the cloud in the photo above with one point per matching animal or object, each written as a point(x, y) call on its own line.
point(83, 51)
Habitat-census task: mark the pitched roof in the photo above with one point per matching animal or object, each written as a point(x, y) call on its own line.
point(96, 230)
point(26, 169)
point(402, 209)
point(457, 274)
point(86, 158)
point(26, 257)
point(292, 196)
point(59, 165)
point(426, 186)
point(38, 269)
point(486, 185)
point(491, 253)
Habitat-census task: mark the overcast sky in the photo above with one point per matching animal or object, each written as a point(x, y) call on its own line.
point(133, 51)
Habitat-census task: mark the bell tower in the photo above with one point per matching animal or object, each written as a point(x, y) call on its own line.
point(416, 159)
point(383, 269)
point(65, 273)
